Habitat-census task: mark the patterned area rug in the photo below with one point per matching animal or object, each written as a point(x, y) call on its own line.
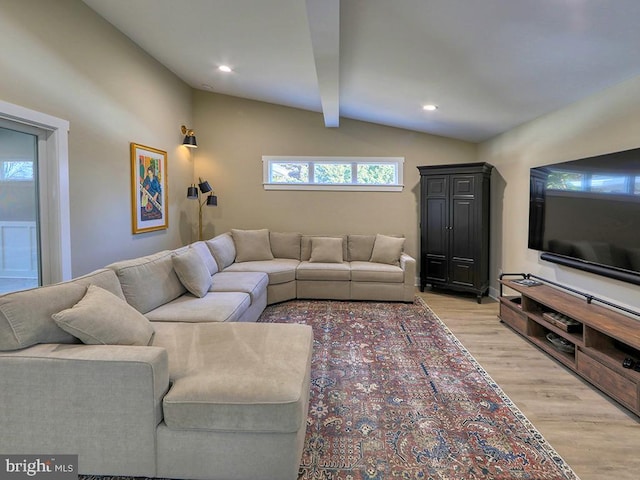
point(394, 395)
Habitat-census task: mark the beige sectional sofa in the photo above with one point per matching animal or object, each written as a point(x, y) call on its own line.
point(345, 267)
point(155, 366)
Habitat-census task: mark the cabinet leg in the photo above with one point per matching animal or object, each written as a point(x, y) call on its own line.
point(479, 298)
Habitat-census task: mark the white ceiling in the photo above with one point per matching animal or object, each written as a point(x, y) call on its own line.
point(489, 65)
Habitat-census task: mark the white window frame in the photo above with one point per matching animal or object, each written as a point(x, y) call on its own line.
point(268, 160)
point(54, 188)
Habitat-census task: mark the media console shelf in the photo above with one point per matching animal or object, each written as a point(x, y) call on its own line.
point(594, 345)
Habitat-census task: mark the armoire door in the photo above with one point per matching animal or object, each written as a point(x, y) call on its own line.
point(463, 231)
point(435, 233)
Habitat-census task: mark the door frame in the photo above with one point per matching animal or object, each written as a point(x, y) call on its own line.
point(54, 188)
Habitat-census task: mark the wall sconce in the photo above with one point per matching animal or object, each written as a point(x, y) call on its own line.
point(189, 137)
point(194, 193)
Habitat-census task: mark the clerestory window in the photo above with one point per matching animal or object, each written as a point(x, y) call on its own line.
point(333, 173)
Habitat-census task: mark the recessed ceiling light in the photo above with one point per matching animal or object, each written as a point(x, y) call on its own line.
point(224, 68)
point(430, 107)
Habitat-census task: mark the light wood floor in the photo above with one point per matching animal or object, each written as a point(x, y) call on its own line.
point(598, 438)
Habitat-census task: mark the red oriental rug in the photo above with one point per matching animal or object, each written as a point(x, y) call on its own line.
point(394, 395)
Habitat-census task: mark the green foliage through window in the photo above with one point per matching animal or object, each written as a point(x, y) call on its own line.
point(326, 172)
point(331, 173)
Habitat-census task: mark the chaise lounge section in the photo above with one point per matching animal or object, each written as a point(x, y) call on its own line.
point(202, 398)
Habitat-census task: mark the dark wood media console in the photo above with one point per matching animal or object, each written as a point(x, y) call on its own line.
point(602, 341)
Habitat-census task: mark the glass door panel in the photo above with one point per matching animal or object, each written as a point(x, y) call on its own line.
point(19, 230)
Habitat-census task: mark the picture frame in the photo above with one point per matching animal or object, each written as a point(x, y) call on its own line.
point(149, 194)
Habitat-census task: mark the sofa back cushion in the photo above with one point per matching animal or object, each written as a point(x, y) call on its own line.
point(252, 245)
point(148, 282)
point(360, 247)
point(223, 250)
point(103, 278)
point(285, 245)
point(305, 245)
point(25, 317)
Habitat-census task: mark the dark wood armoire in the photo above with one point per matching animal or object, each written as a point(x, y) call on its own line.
point(454, 227)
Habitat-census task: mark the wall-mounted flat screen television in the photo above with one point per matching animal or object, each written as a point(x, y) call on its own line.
point(586, 214)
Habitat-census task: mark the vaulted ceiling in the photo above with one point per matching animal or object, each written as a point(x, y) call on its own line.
point(488, 65)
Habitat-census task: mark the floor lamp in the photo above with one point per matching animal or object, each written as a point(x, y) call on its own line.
point(195, 193)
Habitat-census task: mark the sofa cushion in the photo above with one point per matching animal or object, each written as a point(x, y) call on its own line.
point(101, 318)
point(103, 278)
point(323, 271)
point(148, 282)
point(258, 384)
point(223, 250)
point(213, 307)
point(326, 250)
point(25, 316)
point(192, 272)
point(206, 256)
point(280, 270)
point(376, 272)
point(360, 247)
point(253, 283)
point(252, 245)
point(387, 249)
point(285, 245)
point(305, 245)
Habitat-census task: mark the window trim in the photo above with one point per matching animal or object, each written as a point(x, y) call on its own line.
point(267, 160)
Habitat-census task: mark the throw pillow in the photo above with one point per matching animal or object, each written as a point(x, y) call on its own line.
point(387, 250)
point(192, 272)
point(223, 250)
point(206, 255)
point(252, 245)
point(101, 318)
point(326, 250)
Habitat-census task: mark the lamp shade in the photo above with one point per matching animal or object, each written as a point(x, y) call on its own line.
point(190, 141)
point(212, 201)
point(204, 186)
point(192, 192)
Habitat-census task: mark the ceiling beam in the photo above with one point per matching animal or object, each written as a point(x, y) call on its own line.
point(324, 24)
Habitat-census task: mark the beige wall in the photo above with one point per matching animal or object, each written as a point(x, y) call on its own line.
point(606, 122)
point(60, 58)
point(233, 134)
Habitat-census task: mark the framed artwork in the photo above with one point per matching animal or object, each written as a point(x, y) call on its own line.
point(149, 210)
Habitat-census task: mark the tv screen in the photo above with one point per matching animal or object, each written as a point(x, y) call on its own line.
point(586, 214)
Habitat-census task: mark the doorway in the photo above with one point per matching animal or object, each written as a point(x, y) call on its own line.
point(35, 243)
point(20, 232)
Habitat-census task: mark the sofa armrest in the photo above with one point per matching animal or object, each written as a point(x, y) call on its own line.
point(408, 265)
point(102, 402)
